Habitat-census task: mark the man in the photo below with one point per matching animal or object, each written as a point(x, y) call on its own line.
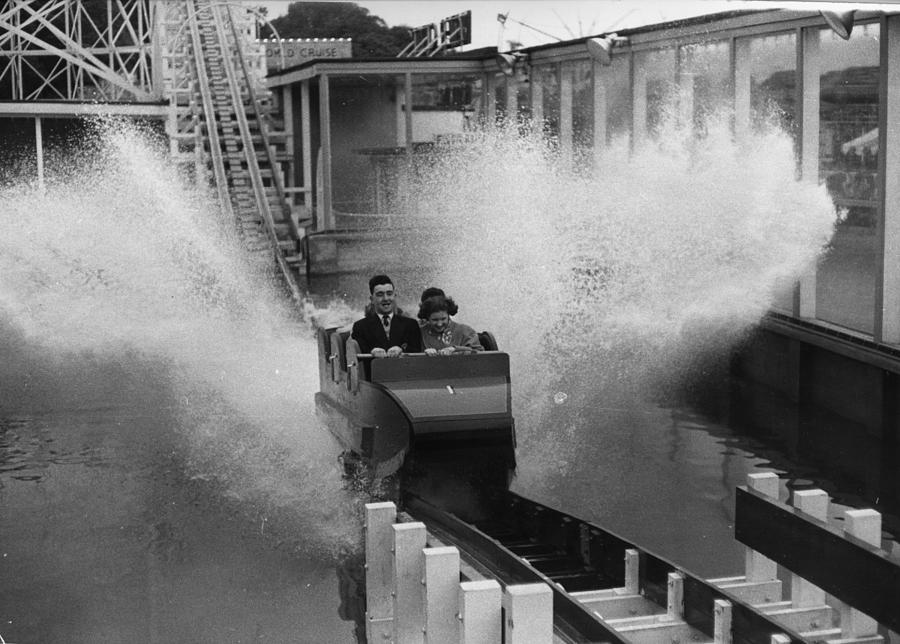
point(385, 332)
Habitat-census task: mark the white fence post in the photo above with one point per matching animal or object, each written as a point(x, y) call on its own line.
point(759, 567)
point(379, 571)
point(866, 526)
point(479, 612)
point(675, 595)
point(722, 621)
point(409, 572)
point(441, 595)
point(815, 504)
point(529, 614)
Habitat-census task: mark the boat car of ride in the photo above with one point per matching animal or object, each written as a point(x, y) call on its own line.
point(386, 411)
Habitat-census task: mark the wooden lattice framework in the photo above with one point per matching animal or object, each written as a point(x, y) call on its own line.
point(81, 50)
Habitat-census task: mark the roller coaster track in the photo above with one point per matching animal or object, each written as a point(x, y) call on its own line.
point(606, 589)
point(245, 171)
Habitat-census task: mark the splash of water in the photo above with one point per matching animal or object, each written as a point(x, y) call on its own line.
point(121, 260)
point(601, 280)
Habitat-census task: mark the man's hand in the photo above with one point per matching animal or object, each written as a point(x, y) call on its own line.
point(378, 352)
point(394, 352)
point(446, 351)
point(430, 352)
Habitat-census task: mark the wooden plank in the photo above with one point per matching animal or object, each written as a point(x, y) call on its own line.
point(623, 606)
point(756, 593)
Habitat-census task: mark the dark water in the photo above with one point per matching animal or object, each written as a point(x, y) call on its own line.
point(109, 534)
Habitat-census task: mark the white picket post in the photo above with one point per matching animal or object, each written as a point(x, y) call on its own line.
point(479, 612)
point(379, 571)
point(759, 567)
point(441, 595)
point(529, 614)
point(866, 526)
point(409, 571)
point(675, 595)
point(722, 621)
point(632, 571)
point(815, 504)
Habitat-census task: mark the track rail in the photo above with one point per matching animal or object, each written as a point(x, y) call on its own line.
point(221, 92)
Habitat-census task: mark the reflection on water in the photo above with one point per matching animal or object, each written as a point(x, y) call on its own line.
point(106, 538)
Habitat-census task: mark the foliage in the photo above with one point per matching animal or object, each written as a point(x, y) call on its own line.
point(372, 38)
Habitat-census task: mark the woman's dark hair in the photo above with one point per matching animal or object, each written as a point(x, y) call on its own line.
point(431, 291)
point(435, 304)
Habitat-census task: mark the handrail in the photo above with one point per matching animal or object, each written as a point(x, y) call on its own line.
point(252, 164)
point(215, 149)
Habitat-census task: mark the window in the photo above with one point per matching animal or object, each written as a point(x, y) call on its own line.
point(848, 166)
point(654, 91)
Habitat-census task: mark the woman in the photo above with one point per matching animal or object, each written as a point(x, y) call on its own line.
point(440, 334)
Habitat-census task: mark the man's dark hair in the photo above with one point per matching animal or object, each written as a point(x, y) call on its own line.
point(378, 279)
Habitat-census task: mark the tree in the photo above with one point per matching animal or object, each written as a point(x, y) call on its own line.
point(371, 36)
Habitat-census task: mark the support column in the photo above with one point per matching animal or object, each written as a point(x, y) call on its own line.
point(887, 300)
point(306, 142)
point(287, 111)
point(808, 67)
point(39, 150)
point(408, 115)
point(512, 100)
point(639, 105)
point(566, 103)
point(537, 99)
point(324, 213)
point(600, 109)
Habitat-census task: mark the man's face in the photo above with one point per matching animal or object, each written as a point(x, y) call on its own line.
point(383, 298)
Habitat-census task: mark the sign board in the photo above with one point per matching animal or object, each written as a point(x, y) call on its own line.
point(300, 50)
point(456, 31)
point(429, 40)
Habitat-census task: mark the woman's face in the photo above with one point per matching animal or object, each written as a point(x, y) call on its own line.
point(438, 321)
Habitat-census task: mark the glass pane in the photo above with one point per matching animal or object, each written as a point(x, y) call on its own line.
point(706, 80)
point(582, 107)
point(548, 77)
point(773, 80)
point(770, 63)
point(364, 159)
point(848, 165)
point(501, 86)
point(523, 101)
point(655, 83)
point(618, 97)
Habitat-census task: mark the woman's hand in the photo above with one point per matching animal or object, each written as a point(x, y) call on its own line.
point(446, 351)
point(430, 352)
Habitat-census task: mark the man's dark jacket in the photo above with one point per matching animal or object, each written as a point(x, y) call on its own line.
point(369, 334)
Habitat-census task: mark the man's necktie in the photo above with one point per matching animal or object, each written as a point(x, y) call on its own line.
point(386, 320)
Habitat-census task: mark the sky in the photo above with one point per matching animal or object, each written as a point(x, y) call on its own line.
point(557, 19)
